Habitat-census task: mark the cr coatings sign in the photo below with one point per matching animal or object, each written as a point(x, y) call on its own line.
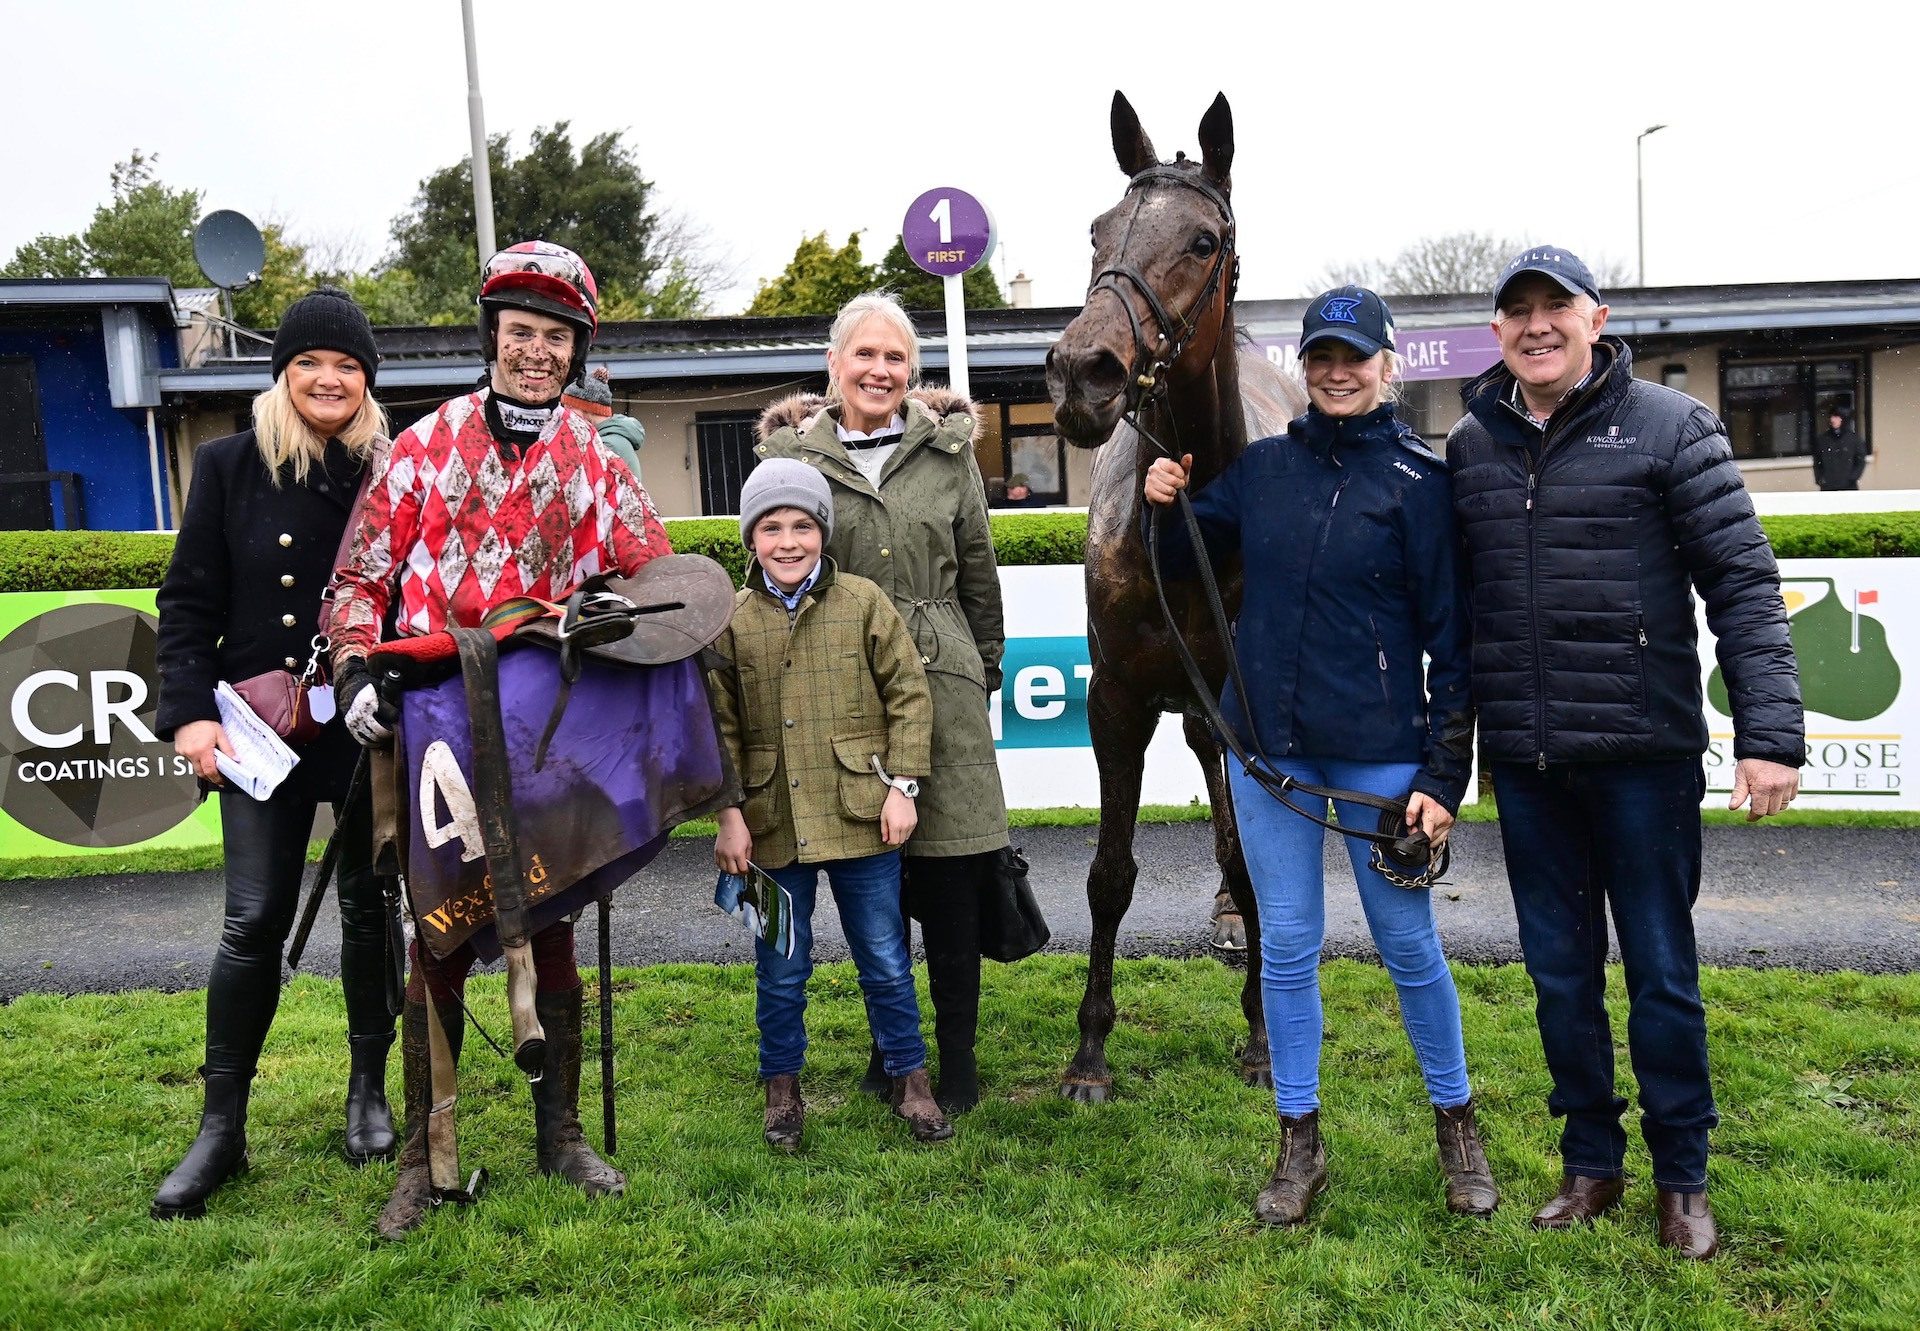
point(82, 767)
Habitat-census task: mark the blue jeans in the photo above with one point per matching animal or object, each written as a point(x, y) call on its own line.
point(1285, 856)
point(867, 891)
point(1581, 837)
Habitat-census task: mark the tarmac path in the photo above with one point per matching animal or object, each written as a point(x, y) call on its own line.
point(1812, 898)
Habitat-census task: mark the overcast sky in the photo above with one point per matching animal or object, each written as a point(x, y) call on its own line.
point(1789, 153)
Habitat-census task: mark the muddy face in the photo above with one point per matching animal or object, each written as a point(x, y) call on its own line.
point(535, 353)
point(1171, 237)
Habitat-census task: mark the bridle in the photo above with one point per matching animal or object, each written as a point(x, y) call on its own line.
point(1175, 332)
point(1405, 860)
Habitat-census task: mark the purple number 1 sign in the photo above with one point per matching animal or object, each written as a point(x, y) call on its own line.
point(949, 233)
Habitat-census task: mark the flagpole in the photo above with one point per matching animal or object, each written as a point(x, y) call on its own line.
point(1854, 646)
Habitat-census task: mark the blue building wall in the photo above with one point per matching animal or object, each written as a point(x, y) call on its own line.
point(85, 433)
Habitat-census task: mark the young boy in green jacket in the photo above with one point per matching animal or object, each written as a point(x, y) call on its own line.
point(826, 714)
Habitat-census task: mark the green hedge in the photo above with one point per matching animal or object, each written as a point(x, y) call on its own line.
point(96, 561)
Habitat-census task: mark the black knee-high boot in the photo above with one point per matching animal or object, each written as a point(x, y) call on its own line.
point(363, 980)
point(947, 900)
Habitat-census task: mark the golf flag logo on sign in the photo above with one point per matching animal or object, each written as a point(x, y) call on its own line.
point(1850, 653)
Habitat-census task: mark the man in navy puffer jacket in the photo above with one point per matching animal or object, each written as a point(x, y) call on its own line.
point(1591, 505)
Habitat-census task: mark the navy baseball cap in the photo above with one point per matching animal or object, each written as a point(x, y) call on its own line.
point(1353, 315)
point(1563, 266)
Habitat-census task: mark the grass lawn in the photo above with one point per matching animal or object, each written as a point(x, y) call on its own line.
point(1042, 1213)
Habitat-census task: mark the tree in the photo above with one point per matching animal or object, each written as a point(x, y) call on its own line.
point(147, 231)
point(817, 280)
point(594, 201)
point(920, 290)
point(1460, 262)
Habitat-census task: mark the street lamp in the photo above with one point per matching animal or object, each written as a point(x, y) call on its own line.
point(1640, 198)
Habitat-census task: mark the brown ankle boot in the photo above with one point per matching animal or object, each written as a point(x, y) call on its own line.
point(1579, 1201)
point(1686, 1224)
point(913, 1100)
point(1299, 1175)
point(1463, 1163)
point(786, 1112)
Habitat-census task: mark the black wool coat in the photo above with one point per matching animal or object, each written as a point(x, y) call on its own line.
point(1585, 549)
point(242, 594)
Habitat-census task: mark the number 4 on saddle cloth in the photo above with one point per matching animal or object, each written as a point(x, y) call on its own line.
point(604, 741)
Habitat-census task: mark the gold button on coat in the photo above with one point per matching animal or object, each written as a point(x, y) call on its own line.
point(286, 579)
point(291, 663)
point(287, 620)
point(286, 538)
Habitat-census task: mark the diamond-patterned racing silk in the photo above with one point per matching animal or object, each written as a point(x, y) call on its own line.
point(458, 529)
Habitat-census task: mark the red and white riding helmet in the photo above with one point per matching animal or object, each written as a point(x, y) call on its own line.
point(545, 278)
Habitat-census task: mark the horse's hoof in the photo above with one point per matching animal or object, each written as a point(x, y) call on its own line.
point(1085, 1091)
point(1257, 1074)
point(1229, 935)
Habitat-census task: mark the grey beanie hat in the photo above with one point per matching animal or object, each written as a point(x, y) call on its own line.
point(784, 483)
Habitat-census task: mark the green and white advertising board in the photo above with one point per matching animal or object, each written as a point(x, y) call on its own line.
point(85, 773)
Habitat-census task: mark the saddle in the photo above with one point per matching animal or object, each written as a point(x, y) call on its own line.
point(626, 628)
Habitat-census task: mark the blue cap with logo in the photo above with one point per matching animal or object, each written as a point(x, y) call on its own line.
point(1563, 266)
point(1353, 315)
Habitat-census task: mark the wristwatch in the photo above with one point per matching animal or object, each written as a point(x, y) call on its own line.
point(906, 785)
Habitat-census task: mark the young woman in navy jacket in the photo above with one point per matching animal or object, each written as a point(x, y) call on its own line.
point(1344, 526)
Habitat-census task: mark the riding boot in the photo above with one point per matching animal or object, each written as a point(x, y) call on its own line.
point(413, 1186)
point(363, 983)
point(218, 1153)
point(1299, 1175)
point(556, 1102)
point(369, 1119)
point(876, 1083)
point(1463, 1162)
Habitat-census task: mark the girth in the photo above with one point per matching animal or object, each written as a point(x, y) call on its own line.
point(493, 783)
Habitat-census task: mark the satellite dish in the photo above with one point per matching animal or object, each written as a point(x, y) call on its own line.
point(229, 250)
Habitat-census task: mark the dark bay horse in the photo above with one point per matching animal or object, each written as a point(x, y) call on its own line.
point(1156, 341)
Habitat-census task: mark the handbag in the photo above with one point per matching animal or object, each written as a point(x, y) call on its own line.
point(284, 701)
point(1011, 925)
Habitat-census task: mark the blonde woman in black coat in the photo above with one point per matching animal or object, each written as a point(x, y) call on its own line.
point(263, 522)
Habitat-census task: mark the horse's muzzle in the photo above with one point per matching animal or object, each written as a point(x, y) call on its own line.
point(1088, 387)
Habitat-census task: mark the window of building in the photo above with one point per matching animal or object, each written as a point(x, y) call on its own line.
point(724, 441)
point(1431, 406)
point(1030, 448)
point(1773, 409)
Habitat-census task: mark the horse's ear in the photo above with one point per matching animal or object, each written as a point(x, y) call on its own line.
point(1216, 140)
point(1131, 147)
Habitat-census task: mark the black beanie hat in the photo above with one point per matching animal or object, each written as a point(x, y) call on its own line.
point(325, 319)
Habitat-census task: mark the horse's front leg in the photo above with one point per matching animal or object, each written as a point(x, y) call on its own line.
point(1120, 725)
point(1236, 888)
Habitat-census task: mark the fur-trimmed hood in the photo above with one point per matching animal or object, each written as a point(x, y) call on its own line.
point(799, 411)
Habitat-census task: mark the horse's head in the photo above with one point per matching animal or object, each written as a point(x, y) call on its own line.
point(1164, 266)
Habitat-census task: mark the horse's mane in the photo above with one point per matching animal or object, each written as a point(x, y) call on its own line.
point(1269, 396)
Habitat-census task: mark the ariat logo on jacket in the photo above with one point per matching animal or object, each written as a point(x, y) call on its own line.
point(1401, 466)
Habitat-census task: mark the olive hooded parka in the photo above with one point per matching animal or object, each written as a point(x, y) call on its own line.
point(922, 535)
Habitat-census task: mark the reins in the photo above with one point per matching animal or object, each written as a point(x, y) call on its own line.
point(1406, 860)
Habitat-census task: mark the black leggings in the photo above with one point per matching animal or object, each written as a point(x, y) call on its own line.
point(944, 895)
point(266, 849)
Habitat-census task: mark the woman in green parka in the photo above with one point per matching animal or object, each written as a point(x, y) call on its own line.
point(910, 513)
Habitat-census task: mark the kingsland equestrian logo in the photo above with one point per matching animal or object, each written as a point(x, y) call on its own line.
point(1613, 439)
point(1339, 310)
